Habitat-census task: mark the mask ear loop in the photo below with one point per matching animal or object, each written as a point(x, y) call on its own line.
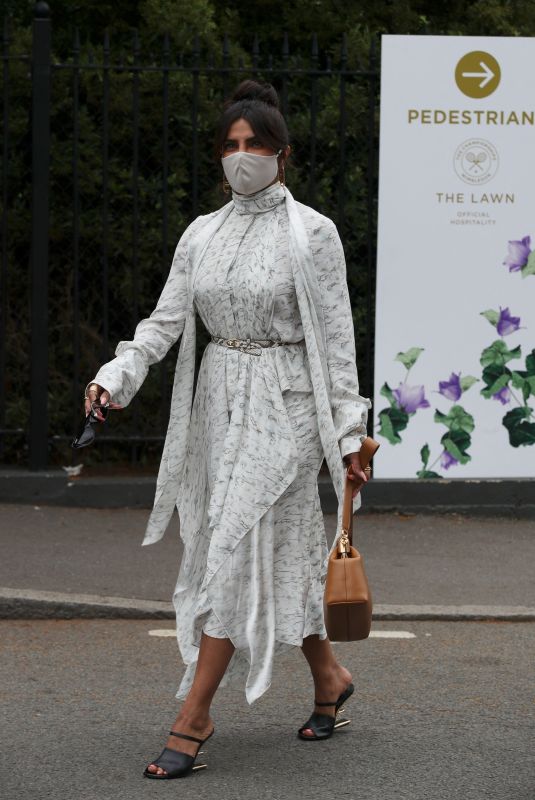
point(282, 178)
point(225, 185)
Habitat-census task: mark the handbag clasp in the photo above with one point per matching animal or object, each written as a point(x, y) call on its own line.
point(343, 544)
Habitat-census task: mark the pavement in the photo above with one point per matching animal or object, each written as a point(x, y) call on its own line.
point(444, 707)
point(76, 562)
point(446, 714)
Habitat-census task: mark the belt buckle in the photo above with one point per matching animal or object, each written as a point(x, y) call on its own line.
point(245, 346)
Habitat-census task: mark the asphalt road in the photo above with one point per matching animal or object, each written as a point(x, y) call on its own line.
point(447, 714)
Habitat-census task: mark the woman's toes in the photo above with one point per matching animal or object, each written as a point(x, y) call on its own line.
point(155, 770)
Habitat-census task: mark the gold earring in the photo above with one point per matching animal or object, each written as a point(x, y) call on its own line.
point(226, 186)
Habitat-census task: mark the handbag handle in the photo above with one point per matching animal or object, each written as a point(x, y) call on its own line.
point(368, 449)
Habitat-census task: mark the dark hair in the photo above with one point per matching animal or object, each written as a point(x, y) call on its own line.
point(258, 103)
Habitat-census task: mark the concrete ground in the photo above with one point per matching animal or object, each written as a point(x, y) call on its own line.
point(442, 709)
point(446, 560)
point(446, 715)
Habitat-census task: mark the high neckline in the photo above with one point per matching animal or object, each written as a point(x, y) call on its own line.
point(264, 200)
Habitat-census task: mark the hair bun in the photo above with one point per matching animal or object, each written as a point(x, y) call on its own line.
point(252, 90)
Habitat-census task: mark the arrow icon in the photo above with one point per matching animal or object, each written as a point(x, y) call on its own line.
point(487, 75)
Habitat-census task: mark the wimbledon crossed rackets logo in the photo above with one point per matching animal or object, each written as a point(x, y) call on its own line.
point(476, 161)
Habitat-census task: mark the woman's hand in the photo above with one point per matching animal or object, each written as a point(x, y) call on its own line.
point(95, 393)
point(355, 472)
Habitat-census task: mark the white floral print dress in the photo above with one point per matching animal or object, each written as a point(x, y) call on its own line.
point(255, 549)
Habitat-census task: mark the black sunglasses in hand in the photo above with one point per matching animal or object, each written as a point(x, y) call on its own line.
point(87, 433)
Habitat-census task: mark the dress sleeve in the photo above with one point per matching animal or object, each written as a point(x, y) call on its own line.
point(349, 407)
point(123, 376)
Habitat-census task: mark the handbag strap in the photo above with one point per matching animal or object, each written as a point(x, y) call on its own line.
point(368, 449)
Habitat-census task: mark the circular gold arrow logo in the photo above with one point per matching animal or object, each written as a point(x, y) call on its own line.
point(477, 74)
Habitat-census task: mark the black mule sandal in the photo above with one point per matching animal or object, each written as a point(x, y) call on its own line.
point(324, 725)
point(175, 763)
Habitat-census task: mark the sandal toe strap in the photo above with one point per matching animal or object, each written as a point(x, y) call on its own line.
point(319, 724)
point(172, 760)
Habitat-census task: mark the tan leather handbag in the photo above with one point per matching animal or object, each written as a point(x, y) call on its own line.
point(347, 599)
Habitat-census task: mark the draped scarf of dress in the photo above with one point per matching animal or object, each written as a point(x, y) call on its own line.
point(235, 519)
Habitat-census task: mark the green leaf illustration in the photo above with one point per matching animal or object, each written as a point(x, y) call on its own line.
point(424, 454)
point(392, 421)
point(409, 357)
point(491, 315)
point(467, 381)
point(495, 378)
point(529, 267)
point(520, 431)
point(386, 391)
point(427, 473)
point(457, 419)
point(498, 353)
point(528, 388)
point(518, 378)
point(521, 380)
point(457, 443)
point(424, 472)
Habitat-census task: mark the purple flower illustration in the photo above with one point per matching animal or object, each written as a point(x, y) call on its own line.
point(518, 254)
point(506, 323)
point(447, 460)
point(410, 398)
point(451, 389)
point(504, 395)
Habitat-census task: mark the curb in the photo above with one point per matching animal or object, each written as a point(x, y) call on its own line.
point(28, 604)
point(508, 497)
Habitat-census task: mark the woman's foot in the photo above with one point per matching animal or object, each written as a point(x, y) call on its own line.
point(199, 726)
point(330, 687)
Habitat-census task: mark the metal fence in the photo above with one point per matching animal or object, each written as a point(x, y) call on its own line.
point(100, 178)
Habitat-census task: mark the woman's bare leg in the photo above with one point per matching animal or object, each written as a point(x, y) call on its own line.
point(194, 716)
point(330, 678)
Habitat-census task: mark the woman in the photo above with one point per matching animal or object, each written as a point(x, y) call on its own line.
point(277, 391)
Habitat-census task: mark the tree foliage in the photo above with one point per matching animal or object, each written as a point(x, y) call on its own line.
point(138, 245)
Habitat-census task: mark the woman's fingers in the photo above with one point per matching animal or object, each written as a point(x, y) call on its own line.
point(95, 393)
point(356, 474)
point(359, 479)
point(91, 396)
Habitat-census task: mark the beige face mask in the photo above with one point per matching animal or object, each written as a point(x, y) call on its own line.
point(247, 173)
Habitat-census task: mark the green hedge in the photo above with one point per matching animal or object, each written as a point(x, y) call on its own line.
point(360, 22)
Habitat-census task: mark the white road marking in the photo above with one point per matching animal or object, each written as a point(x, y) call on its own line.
point(162, 632)
point(373, 634)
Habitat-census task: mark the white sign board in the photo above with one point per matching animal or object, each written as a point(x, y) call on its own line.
point(455, 308)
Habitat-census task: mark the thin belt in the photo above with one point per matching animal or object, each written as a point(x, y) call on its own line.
point(250, 345)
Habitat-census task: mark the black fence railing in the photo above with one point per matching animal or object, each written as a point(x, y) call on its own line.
point(106, 156)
